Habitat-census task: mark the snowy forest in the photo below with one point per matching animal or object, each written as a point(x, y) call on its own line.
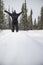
point(26, 21)
point(23, 47)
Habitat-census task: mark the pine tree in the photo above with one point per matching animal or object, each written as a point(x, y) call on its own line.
point(42, 18)
point(31, 18)
point(9, 19)
point(39, 22)
point(1, 14)
point(34, 24)
point(24, 16)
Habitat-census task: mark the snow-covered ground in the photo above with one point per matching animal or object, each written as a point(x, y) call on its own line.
point(21, 48)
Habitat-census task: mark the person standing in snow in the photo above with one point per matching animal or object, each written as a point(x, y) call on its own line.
point(14, 16)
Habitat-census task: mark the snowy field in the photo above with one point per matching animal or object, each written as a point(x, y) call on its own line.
point(21, 48)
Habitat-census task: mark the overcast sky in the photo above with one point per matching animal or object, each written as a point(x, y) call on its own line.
point(35, 5)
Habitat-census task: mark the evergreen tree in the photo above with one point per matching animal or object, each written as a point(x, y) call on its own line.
point(31, 19)
point(42, 18)
point(24, 16)
point(29, 22)
point(39, 22)
point(34, 24)
point(9, 19)
point(1, 14)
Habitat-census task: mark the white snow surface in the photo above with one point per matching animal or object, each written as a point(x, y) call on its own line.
point(21, 48)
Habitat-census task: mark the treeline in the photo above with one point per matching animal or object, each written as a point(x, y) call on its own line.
point(26, 22)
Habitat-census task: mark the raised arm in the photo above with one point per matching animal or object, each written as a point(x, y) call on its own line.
point(8, 12)
point(20, 13)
